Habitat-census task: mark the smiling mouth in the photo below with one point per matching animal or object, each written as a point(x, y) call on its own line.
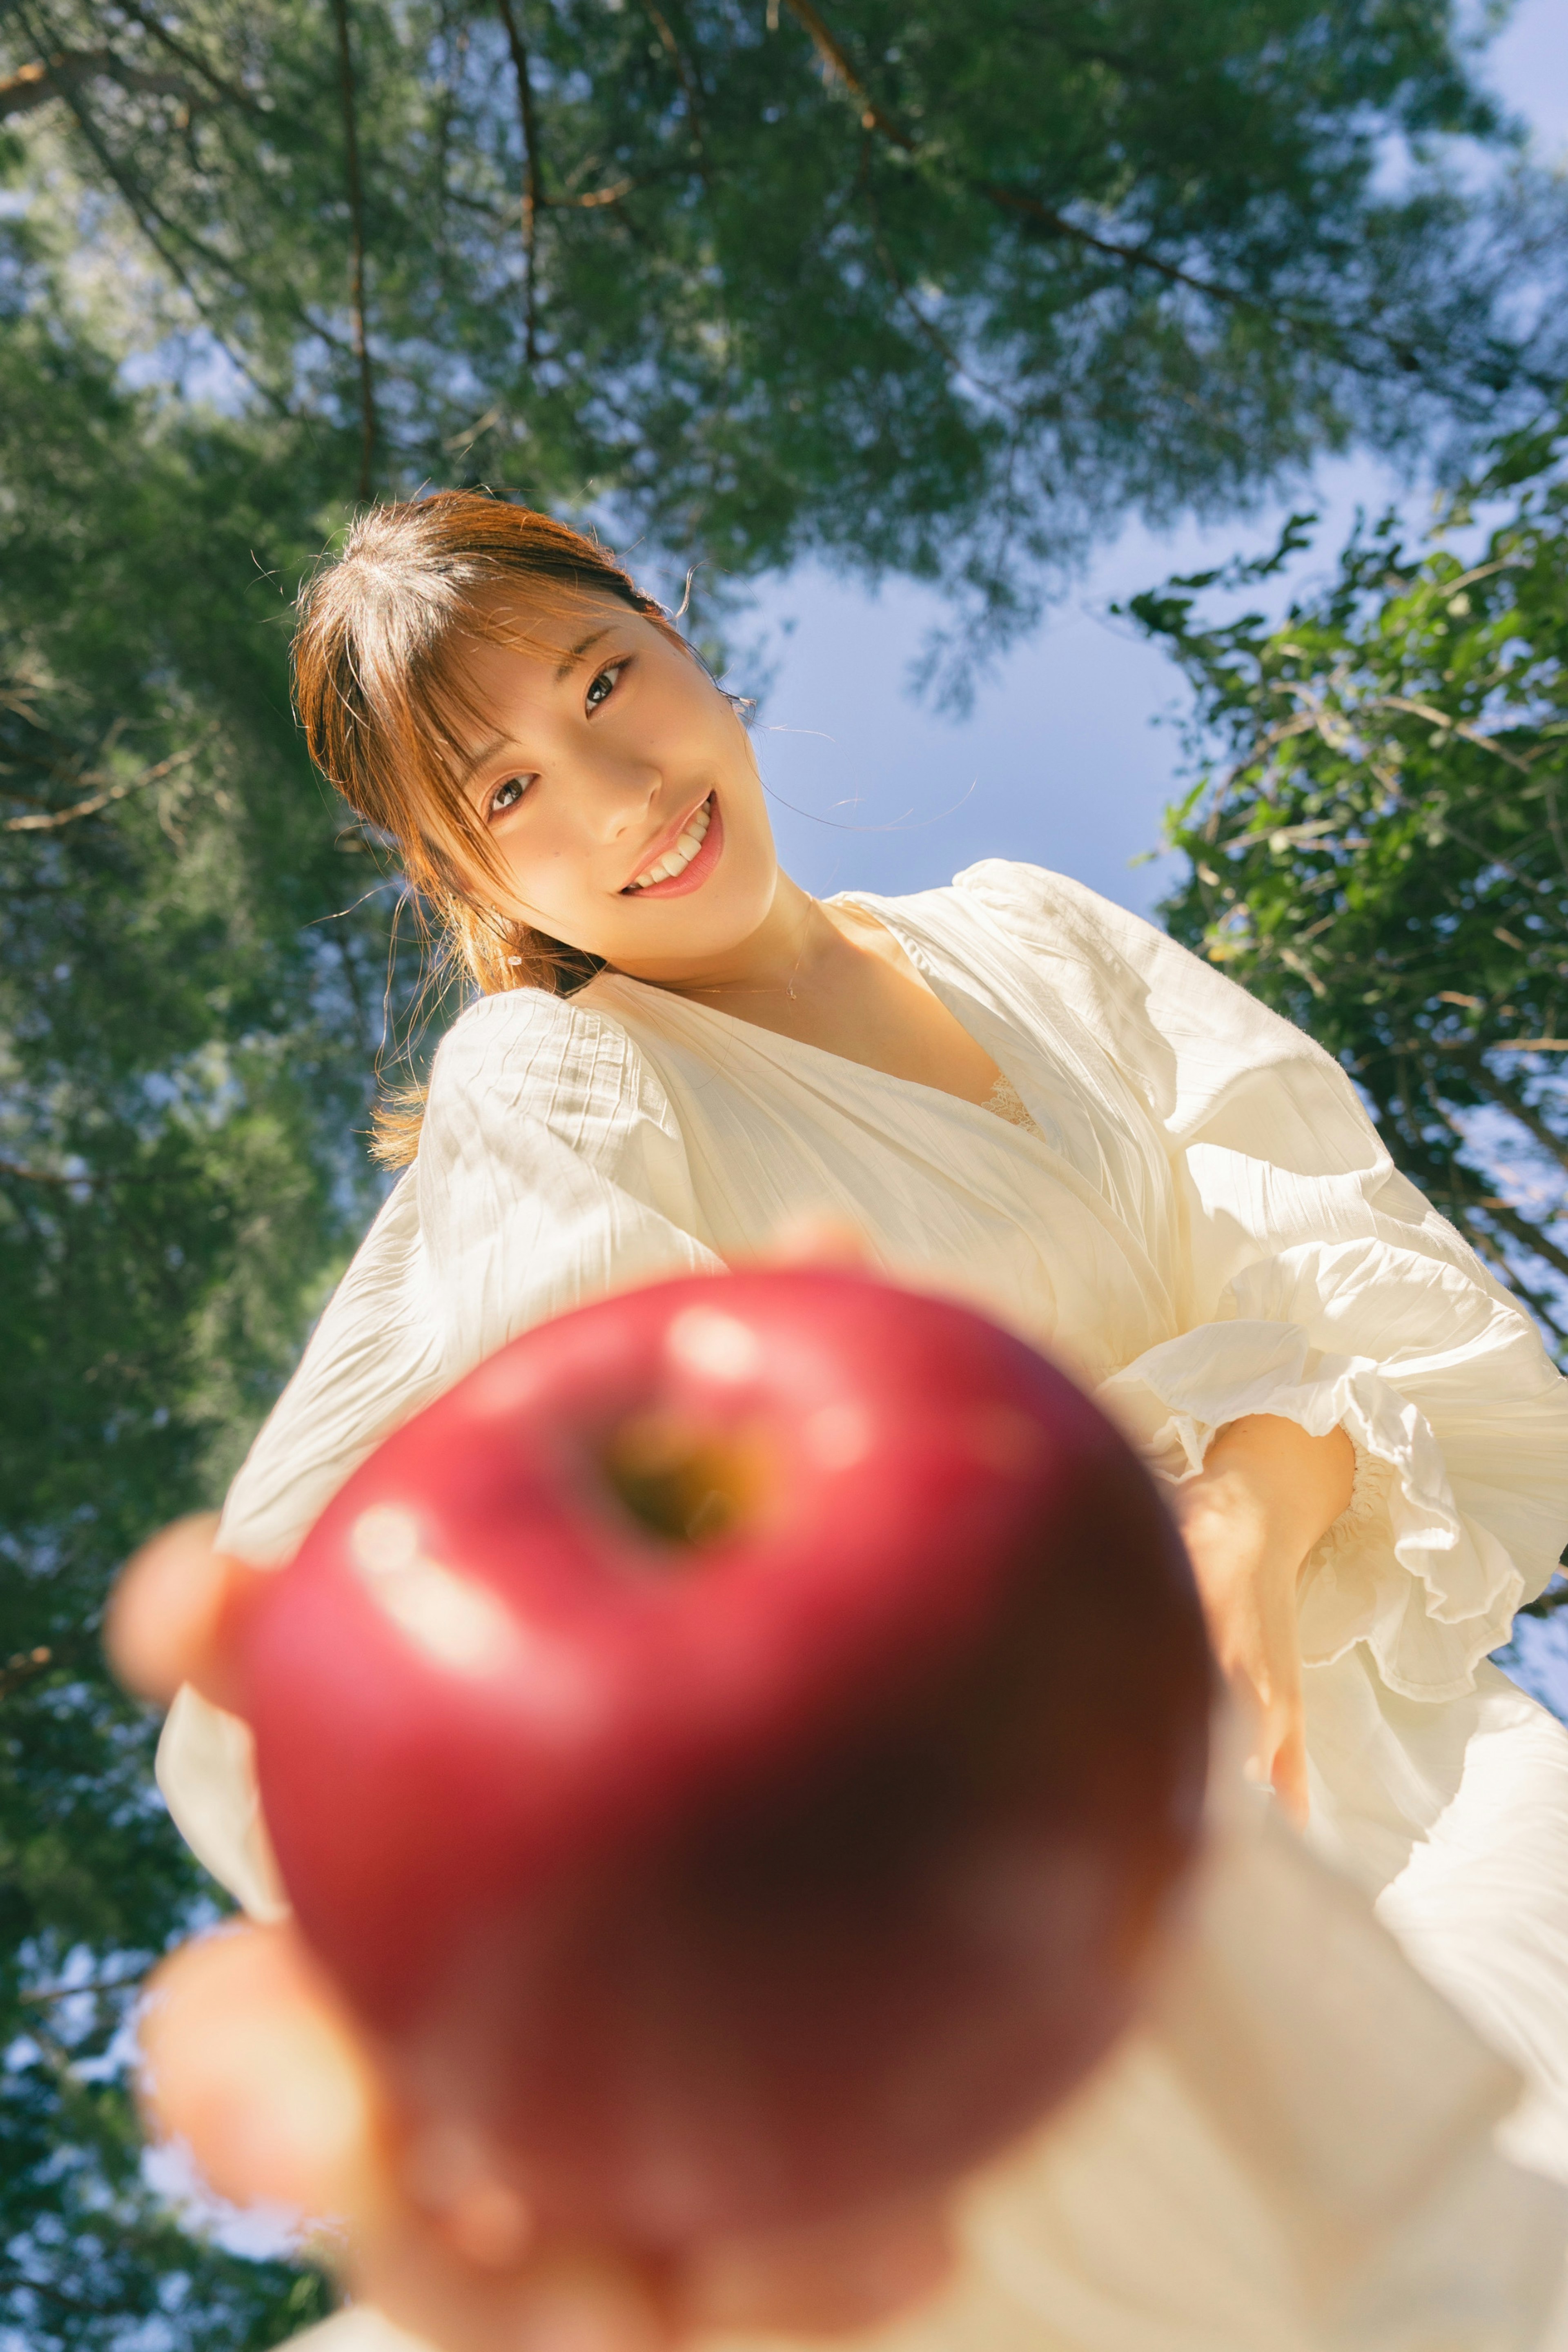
point(677, 856)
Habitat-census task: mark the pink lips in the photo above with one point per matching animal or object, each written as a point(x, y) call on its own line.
point(692, 877)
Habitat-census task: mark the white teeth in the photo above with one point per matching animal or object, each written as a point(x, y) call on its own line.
point(676, 860)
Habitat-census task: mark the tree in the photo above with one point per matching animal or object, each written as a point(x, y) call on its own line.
point(938, 290)
point(187, 1054)
point(1375, 839)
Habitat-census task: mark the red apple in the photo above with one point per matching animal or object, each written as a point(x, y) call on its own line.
point(734, 1750)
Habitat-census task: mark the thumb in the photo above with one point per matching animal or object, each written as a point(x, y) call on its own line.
point(247, 2062)
point(174, 1612)
point(1287, 1773)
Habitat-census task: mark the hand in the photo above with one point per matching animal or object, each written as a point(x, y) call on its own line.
point(251, 2062)
point(1267, 1492)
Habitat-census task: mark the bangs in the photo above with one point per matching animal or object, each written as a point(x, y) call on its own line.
point(431, 716)
point(392, 717)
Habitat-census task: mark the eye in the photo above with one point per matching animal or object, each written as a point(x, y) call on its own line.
point(506, 795)
point(603, 686)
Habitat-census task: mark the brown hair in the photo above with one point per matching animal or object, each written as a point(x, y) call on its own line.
point(385, 718)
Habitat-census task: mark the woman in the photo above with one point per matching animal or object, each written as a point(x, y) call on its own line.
point(1013, 1091)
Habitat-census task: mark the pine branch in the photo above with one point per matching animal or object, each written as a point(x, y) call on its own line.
point(24, 1669)
point(160, 232)
point(929, 332)
point(533, 197)
point(1485, 1246)
point(53, 820)
point(1529, 1236)
point(45, 1996)
point(356, 268)
point(159, 31)
point(20, 1171)
point(831, 51)
point(686, 74)
point(1509, 1098)
point(17, 2282)
point(875, 118)
point(58, 75)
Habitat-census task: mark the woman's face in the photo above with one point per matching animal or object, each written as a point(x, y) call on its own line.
point(618, 789)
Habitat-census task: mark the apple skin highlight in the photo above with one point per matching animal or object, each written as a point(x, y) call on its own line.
point(735, 1751)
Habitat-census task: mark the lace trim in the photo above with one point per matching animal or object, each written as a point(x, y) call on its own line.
point(1007, 1102)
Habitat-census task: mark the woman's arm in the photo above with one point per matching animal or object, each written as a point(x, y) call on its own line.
point(1267, 1492)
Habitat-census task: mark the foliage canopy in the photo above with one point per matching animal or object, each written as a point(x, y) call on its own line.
point(184, 1057)
point(906, 287)
point(1378, 838)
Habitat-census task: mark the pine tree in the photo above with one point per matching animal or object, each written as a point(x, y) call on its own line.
point(186, 1049)
point(939, 291)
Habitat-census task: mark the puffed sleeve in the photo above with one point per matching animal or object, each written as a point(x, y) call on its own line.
point(550, 1170)
point(1313, 1281)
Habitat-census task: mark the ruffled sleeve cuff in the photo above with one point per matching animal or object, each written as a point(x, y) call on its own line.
point(206, 1774)
point(1403, 1569)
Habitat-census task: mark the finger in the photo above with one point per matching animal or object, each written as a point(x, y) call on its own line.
point(815, 1237)
point(1258, 1732)
point(454, 2180)
point(164, 1608)
point(176, 1613)
point(1288, 1772)
point(829, 2279)
point(562, 2300)
point(247, 2060)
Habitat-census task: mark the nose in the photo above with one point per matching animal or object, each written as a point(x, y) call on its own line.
point(617, 796)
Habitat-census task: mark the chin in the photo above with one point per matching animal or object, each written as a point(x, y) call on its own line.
point(713, 922)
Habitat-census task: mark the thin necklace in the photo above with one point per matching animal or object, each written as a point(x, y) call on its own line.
point(718, 987)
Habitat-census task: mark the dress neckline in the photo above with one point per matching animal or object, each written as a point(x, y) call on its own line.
point(989, 1113)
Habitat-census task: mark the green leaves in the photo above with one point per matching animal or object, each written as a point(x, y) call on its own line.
point(941, 291)
point(185, 1044)
point(1377, 841)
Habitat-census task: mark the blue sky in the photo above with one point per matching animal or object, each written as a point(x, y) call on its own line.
point(1061, 763)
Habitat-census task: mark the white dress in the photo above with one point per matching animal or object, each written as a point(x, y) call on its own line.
point(1303, 2146)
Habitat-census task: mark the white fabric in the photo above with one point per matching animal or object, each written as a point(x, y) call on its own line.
point(1218, 2190)
point(1201, 1223)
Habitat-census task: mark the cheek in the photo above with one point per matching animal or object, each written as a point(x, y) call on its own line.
point(750, 826)
point(549, 875)
point(734, 765)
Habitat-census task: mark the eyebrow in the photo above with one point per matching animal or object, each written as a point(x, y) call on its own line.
point(578, 650)
point(471, 765)
point(472, 762)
